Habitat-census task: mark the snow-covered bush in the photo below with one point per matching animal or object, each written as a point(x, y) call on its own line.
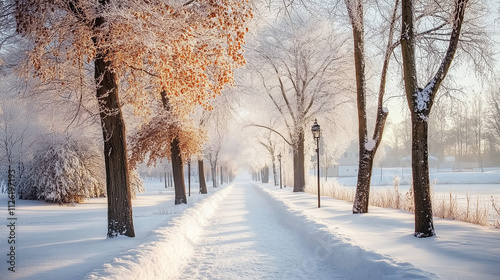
point(63, 171)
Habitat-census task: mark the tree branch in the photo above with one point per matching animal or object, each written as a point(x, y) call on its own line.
point(450, 52)
point(273, 130)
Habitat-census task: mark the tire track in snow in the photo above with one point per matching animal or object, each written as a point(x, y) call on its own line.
point(246, 239)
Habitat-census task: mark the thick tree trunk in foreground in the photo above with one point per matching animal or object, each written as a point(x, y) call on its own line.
point(424, 224)
point(201, 177)
point(178, 172)
point(361, 199)
point(299, 178)
point(120, 220)
point(420, 101)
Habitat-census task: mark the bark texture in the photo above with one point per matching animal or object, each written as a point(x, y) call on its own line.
point(176, 159)
point(299, 178)
point(424, 224)
point(366, 155)
point(120, 221)
point(420, 101)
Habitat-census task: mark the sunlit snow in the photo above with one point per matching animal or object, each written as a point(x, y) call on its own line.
point(244, 230)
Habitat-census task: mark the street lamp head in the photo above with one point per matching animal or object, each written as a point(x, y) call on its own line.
point(279, 156)
point(316, 130)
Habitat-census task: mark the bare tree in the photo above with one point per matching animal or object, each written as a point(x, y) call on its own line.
point(7, 26)
point(494, 114)
point(215, 122)
point(478, 129)
point(420, 101)
point(368, 146)
point(297, 62)
point(212, 153)
point(270, 145)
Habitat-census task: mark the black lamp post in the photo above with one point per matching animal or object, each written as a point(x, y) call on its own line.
point(279, 159)
point(316, 131)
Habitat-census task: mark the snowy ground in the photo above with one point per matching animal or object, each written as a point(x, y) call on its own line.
point(478, 186)
point(459, 251)
point(244, 231)
point(247, 239)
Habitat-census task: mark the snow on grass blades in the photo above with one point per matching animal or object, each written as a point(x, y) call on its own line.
point(351, 260)
point(169, 248)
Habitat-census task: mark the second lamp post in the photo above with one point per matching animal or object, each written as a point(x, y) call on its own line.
point(316, 131)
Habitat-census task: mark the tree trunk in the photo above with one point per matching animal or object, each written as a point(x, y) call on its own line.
point(177, 166)
point(201, 176)
point(424, 225)
point(265, 174)
point(361, 200)
point(178, 173)
point(214, 175)
point(360, 204)
point(170, 179)
point(299, 179)
point(366, 155)
point(420, 102)
point(120, 220)
point(221, 176)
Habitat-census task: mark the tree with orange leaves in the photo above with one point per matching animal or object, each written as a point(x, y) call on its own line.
point(168, 135)
point(186, 49)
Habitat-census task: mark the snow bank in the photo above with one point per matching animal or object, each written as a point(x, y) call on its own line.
point(352, 260)
point(170, 247)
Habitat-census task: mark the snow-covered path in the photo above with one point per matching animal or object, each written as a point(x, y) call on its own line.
point(245, 239)
point(242, 230)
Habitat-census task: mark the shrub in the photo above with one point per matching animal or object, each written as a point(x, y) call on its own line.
point(63, 171)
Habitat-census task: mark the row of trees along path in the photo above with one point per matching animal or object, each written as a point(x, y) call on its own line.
point(296, 86)
point(147, 50)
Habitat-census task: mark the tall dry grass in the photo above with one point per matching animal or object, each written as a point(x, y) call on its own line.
point(446, 207)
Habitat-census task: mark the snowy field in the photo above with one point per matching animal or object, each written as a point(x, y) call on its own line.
point(384, 177)
point(241, 231)
point(479, 186)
